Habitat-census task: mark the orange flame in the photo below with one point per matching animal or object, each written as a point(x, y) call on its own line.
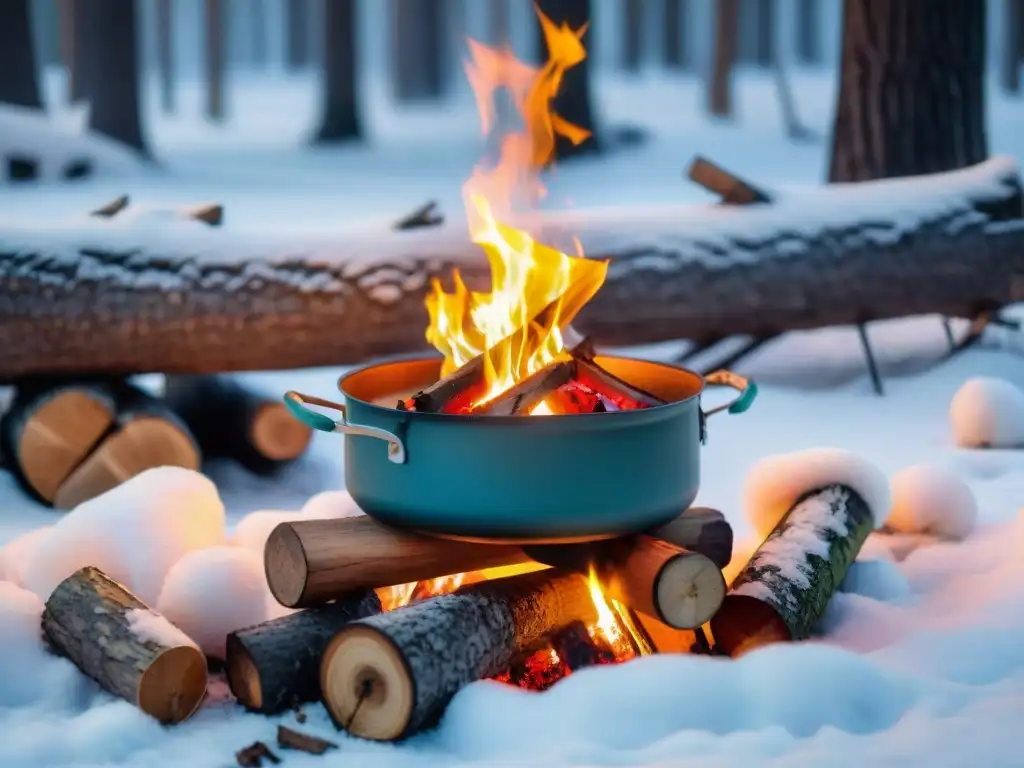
point(527, 277)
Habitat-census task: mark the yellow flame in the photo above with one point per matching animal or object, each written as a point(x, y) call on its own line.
point(607, 622)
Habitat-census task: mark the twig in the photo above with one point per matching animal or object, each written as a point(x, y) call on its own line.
point(303, 742)
point(424, 216)
point(111, 209)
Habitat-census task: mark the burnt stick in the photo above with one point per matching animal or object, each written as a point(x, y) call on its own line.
point(521, 399)
point(594, 377)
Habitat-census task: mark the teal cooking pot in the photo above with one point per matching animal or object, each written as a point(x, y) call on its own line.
point(527, 480)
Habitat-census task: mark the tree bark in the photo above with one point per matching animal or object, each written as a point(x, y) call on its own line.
point(297, 21)
point(417, 49)
point(675, 49)
point(719, 84)
point(19, 83)
point(808, 31)
point(1013, 46)
point(912, 92)
point(214, 37)
point(165, 52)
point(632, 34)
point(340, 121)
point(574, 101)
point(954, 245)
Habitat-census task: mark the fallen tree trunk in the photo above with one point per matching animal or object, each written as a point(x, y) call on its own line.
point(205, 301)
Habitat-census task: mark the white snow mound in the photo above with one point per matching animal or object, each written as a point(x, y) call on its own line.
point(987, 412)
point(212, 592)
point(253, 530)
point(18, 553)
point(134, 533)
point(331, 504)
point(932, 500)
point(879, 580)
point(775, 483)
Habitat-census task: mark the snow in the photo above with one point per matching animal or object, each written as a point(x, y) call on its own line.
point(920, 661)
point(151, 627)
point(988, 412)
point(776, 482)
point(932, 500)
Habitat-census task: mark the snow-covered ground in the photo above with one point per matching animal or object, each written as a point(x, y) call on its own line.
point(922, 660)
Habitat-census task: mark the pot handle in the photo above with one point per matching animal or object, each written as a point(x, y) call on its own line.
point(746, 387)
point(297, 404)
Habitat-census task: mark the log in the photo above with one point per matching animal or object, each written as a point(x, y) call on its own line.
point(50, 428)
point(310, 562)
point(146, 434)
point(784, 590)
point(732, 189)
point(303, 742)
point(577, 650)
point(388, 676)
point(950, 244)
point(275, 665)
point(621, 393)
point(529, 393)
point(130, 650)
point(231, 421)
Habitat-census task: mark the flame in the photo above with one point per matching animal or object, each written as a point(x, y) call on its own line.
point(535, 289)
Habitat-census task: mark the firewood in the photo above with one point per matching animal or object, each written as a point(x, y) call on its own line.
point(623, 394)
point(146, 435)
point(387, 676)
point(51, 427)
point(309, 562)
point(252, 756)
point(785, 588)
point(275, 665)
point(664, 638)
point(303, 742)
point(129, 649)
point(521, 399)
point(577, 649)
point(732, 189)
point(232, 421)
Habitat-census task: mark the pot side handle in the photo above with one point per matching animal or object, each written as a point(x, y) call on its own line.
point(298, 406)
point(746, 387)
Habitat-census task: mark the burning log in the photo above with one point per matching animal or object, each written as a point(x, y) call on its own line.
point(275, 665)
point(625, 396)
point(130, 650)
point(231, 421)
point(387, 676)
point(310, 562)
point(521, 399)
point(146, 434)
point(577, 650)
point(783, 591)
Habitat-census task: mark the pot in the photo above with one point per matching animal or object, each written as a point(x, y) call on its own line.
point(515, 479)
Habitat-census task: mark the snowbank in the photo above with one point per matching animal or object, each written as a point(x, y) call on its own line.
point(932, 500)
point(775, 483)
point(879, 579)
point(988, 412)
point(253, 529)
point(17, 554)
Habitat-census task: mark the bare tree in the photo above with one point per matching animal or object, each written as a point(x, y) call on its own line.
point(1013, 46)
point(417, 49)
point(632, 34)
point(165, 52)
point(674, 28)
point(340, 121)
point(109, 32)
point(214, 33)
point(719, 85)
point(764, 41)
point(808, 31)
point(74, 42)
point(911, 90)
point(297, 23)
point(19, 83)
point(259, 31)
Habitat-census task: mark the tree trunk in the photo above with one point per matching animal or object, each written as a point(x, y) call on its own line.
point(65, 32)
point(674, 34)
point(764, 49)
point(19, 84)
point(632, 34)
point(1013, 46)
point(340, 119)
point(76, 19)
point(574, 100)
point(912, 92)
point(719, 91)
point(417, 49)
point(165, 52)
point(808, 31)
point(112, 71)
point(297, 42)
point(214, 34)
point(259, 32)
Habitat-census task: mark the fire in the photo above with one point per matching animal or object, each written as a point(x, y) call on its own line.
point(535, 289)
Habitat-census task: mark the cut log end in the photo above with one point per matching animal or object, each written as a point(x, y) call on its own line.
point(744, 623)
point(173, 686)
point(368, 688)
point(286, 566)
point(243, 675)
point(688, 591)
point(278, 435)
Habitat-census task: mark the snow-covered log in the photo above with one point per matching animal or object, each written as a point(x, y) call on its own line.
point(137, 296)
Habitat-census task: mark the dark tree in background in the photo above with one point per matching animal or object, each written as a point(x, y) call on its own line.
point(113, 70)
point(215, 32)
point(74, 44)
point(165, 52)
point(808, 39)
point(632, 34)
point(340, 119)
point(18, 82)
point(719, 84)
point(674, 33)
point(1012, 57)
point(574, 101)
point(297, 23)
point(764, 41)
point(417, 49)
point(912, 91)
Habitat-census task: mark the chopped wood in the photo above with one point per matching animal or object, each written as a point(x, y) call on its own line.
point(129, 649)
point(665, 639)
point(424, 216)
point(624, 395)
point(732, 189)
point(252, 756)
point(529, 393)
point(577, 649)
point(275, 665)
point(309, 562)
point(146, 434)
point(786, 586)
point(303, 742)
point(111, 209)
point(388, 676)
point(232, 421)
point(212, 214)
